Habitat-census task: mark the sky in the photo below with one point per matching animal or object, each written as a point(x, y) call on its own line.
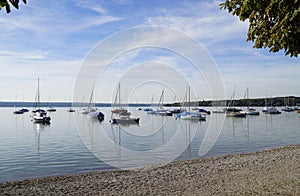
point(56, 40)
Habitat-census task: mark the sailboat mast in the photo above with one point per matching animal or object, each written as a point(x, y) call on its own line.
point(161, 100)
point(119, 95)
point(247, 96)
point(38, 94)
point(91, 98)
point(152, 99)
point(189, 88)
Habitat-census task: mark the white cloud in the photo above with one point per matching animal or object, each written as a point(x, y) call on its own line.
point(34, 55)
point(91, 5)
point(58, 19)
point(215, 28)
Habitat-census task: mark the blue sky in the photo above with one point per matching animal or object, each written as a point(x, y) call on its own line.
point(51, 39)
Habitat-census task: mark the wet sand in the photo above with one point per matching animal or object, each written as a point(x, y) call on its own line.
point(275, 171)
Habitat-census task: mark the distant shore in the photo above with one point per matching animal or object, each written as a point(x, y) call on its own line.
point(253, 102)
point(275, 171)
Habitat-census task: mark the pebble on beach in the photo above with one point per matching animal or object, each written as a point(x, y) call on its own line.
point(275, 171)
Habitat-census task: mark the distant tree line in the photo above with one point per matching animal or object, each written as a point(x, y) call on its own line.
point(256, 102)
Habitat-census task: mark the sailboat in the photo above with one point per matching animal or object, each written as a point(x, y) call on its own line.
point(39, 115)
point(250, 111)
point(191, 115)
point(231, 111)
point(147, 109)
point(160, 110)
point(121, 115)
point(16, 110)
point(117, 108)
point(70, 110)
point(50, 108)
point(271, 109)
point(287, 108)
point(88, 109)
point(92, 110)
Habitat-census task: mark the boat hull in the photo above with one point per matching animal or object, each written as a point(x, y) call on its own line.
point(51, 110)
point(236, 115)
point(42, 120)
point(254, 113)
point(70, 110)
point(273, 112)
point(18, 112)
point(125, 121)
point(191, 117)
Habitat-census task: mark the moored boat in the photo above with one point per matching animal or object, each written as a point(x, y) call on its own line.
point(51, 109)
point(39, 115)
point(71, 110)
point(191, 116)
point(252, 111)
point(219, 111)
point(271, 110)
point(235, 112)
point(18, 111)
point(188, 115)
point(24, 110)
point(125, 120)
point(121, 115)
point(121, 111)
point(231, 111)
point(92, 111)
point(147, 109)
point(288, 109)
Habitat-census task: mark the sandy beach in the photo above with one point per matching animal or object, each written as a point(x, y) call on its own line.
point(275, 171)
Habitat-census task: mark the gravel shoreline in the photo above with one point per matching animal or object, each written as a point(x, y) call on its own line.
point(275, 171)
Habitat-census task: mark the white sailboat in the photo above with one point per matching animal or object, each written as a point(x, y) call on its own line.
point(250, 111)
point(121, 115)
point(160, 109)
point(231, 111)
point(117, 107)
point(191, 115)
point(148, 109)
point(92, 111)
point(271, 109)
point(39, 115)
point(287, 107)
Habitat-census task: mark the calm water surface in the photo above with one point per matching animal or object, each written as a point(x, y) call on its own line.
point(72, 143)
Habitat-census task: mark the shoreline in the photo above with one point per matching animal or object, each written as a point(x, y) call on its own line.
point(272, 171)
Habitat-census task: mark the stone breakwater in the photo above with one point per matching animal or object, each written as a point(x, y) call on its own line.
point(275, 171)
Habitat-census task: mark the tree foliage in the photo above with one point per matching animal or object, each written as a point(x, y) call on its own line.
point(273, 24)
point(7, 4)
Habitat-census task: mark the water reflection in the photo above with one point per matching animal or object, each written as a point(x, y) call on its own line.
point(38, 128)
point(29, 149)
point(159, 140)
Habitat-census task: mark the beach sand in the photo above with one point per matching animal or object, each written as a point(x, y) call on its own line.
point(275, 171)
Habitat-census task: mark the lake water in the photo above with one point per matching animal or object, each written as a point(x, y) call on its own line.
point(73, 143)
